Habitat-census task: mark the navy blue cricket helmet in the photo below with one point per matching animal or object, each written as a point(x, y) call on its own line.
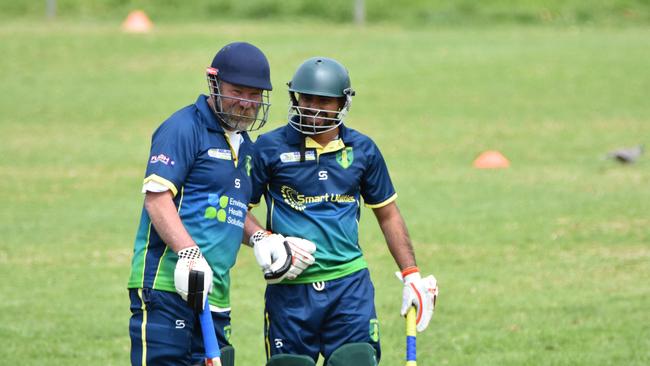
point(240, 63)
point(243, 64)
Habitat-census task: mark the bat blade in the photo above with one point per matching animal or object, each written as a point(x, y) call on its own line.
point(411, 349)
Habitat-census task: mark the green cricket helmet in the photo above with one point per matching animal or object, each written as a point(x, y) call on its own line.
point(320, 76)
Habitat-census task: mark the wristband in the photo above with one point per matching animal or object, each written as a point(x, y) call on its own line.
point(409, 270)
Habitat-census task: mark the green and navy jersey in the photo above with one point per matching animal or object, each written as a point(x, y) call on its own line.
point(191, 155)
point(319, 199)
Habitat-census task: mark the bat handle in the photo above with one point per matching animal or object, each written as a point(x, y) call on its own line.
point(212, 351)
point(411, 349)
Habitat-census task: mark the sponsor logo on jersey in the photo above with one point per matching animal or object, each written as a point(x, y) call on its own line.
point(223, 154)
point(226, 209)
point(161, 158)
point(294, 156)
point(345, 157)
point(374, 330)
point(299, 201)
point(227, 331)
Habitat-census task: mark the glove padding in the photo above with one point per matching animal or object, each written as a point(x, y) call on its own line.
point(193, 277)
point(302, 251)
point(421, 293)
point(281, 257)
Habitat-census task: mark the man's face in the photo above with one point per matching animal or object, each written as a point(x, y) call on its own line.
point(241, 103)
point(318, 110)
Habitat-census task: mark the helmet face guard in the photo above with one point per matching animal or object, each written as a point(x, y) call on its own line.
point(230, 118)
point(303, 119)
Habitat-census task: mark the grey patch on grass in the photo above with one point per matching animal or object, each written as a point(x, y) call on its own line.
point(626, 155)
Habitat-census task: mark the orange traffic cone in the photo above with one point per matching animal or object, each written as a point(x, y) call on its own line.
point(491, 159)
point(137, 22)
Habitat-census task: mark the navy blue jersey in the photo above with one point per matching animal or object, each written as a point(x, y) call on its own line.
point(319, 199)
point(191, 155)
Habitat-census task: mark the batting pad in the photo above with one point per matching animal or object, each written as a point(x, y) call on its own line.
point(357, 354)
point(227, 356)
point(290, 360)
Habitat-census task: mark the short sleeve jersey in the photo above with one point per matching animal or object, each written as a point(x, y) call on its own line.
point(319, 199)
point(191, 155)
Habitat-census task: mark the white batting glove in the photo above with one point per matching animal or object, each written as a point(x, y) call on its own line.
point(270, 252)
point(302, 251)
point(193, 277)
point(281, 257)
point(419, 292)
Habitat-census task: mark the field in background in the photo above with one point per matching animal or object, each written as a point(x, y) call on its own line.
point(546, 263)
point(412, 13)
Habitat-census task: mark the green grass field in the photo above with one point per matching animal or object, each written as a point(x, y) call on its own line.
point(545, 263)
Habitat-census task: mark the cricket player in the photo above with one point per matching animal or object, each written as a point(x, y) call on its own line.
point(197, 188)
point(313, 173)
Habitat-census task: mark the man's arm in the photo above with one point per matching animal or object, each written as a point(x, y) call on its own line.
point(419, 292)
point(164, 217)
point(397, 237)
point(251, 226)
point(273, 251)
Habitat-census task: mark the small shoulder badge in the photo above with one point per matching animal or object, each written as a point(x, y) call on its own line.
point(345, 157)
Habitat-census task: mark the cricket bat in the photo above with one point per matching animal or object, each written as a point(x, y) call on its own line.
point(212, 351)
point(411, 352)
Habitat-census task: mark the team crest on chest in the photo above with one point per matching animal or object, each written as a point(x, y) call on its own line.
point(345, 157)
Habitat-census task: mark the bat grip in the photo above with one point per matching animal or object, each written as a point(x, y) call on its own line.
point(209, 336)
point(411, 350)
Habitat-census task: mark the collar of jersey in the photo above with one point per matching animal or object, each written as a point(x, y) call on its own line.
point(208, 118)
point(332, 146)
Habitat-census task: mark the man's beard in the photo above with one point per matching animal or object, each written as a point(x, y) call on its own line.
point(242, 118)
point(320, 121)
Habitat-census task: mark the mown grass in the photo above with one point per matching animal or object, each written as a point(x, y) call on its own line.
point(545, 263)
point(406, 12)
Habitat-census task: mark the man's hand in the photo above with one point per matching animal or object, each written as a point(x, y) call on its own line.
point(419, 292)
point(281, 257)
point(270, 252)
point(193, 277)
point(302, 251)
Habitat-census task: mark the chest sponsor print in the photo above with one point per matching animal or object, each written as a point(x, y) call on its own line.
point(299, 201)
point(226, 209)
point(223, 154)
point(294, 156)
